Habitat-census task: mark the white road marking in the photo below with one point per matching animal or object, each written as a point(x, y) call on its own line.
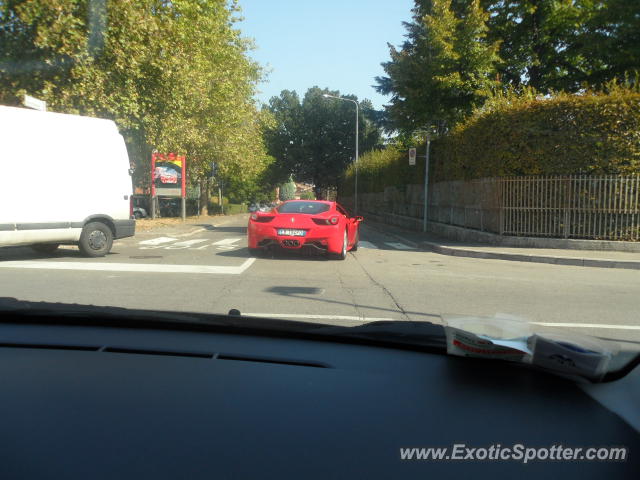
point(226, 241)
point(399, 246)
point(184, 244)
point(130, 267)
point(365, 244)
point(197, 230)
point(158, 241)
point(317, 317)
point(589, 325)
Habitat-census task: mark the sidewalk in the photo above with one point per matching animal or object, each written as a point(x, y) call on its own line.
point(583, 258)
point(148, 224)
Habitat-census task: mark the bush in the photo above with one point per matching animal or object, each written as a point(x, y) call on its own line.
point(383, 168)
point(307, 196)
point(235, 208)
point(566, 134)
point(595, 132)
point(214, 200)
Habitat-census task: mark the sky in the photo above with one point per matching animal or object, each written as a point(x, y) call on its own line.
point(329, 43)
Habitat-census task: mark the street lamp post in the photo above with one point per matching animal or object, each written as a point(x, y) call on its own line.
point(326, 95)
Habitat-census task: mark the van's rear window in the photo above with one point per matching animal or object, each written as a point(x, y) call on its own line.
point(312, 208)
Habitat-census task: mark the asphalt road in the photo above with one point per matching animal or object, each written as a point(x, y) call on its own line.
point(207, 268)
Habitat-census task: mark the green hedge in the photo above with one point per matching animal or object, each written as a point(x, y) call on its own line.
point(229, 208)
point(235, 208)
point(307, 196)
point(378, 169)
point(593, 133)
point(566, 134)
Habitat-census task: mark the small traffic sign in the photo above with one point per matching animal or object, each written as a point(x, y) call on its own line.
point(412, 156)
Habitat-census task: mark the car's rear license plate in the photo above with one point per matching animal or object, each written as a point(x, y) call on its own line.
point(288, 232)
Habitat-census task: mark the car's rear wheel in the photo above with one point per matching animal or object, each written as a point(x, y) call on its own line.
point(343, 252)
point(96, 240)
point(45, 247)
point(354, 247)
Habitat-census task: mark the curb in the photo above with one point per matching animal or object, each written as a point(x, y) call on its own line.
point(514, 257)
point(523, 257)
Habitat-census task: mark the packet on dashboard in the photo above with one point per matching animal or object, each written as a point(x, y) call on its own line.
point(564, 352)
point(465, 344)
point(571, 354)
point(496, 338)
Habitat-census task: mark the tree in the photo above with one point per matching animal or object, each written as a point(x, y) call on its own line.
point(288, 190)
point(610, 44)
point(444, 69)
point(314, 138)
point(565, 44)
point(175, 76)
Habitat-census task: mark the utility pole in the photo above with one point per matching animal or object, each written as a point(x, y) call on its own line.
point(426, 184)
point(326, 95)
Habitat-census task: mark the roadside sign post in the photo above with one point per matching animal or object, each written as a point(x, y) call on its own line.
point(220, 199)
point(412, 162)
point(153, 185)
point(184, 188)
point(168, 181)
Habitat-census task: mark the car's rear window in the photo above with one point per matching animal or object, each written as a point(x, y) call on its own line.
point(311, 208)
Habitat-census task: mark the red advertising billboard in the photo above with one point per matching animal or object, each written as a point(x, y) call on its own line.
point(168, 172)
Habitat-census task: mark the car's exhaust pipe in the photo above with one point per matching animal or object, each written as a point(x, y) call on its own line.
point(291, 243)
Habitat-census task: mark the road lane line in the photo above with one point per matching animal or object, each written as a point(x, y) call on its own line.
point(130, 267)
point(157, 241)
point(399, 246)
point(588, 325)
point(365, 244)
point(316, 317)
point(184, 244)
point(226, 241)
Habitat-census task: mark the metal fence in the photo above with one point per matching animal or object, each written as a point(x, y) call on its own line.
point(603, 207)
point(577, 206)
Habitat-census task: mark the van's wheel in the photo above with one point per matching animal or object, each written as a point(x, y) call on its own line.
point(96, 239)
point(45, 247)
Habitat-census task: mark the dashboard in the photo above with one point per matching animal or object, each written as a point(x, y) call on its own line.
point(100, 400)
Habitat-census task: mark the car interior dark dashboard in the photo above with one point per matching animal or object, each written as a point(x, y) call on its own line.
point(88, 392)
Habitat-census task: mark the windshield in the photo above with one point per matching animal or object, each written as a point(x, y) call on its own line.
point(482, 157)
point(311, 208)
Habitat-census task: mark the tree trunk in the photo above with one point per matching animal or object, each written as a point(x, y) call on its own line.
point(204, 197)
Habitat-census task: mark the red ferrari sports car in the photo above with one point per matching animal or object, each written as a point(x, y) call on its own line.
point(297, 224)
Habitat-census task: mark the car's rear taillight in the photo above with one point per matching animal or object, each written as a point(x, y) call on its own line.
point(326, 221)
point(261, 218)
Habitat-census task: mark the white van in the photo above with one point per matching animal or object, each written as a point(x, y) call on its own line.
point(65, 180)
